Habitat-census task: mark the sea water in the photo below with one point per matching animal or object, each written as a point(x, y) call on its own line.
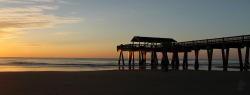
point(92, 64)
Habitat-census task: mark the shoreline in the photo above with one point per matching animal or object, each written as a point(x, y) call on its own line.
point(123, 82)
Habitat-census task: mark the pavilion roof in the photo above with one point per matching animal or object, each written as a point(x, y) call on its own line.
point(151, 39)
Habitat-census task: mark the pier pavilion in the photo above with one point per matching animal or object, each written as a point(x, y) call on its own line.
point(169, 45)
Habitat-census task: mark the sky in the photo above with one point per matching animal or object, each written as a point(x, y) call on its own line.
point(93, 28)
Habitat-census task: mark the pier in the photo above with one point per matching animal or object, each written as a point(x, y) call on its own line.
point(152, 45)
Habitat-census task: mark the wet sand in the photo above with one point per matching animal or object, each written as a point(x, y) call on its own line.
point(125, 82)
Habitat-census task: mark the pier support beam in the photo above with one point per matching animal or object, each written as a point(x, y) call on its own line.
point(240, 59)
point(142, 59)
point(121, 58)
point(247, 59)
point(133, 59)
point(210, 57)
point(175, 60)
point(130, 59)
point(164, 61)
point(154, 60)
point(139, 59)
point(225, 58)
point(196, 64)
point(185, 61)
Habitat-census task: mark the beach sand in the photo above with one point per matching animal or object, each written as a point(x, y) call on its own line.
point(125, 83)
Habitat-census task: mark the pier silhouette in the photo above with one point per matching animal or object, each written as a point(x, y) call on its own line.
point(169, 45)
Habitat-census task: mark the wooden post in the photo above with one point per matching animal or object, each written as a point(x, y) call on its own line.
point(240, 59)
point(196, 65)
point(173, 61)
point(225, 58)
point(210, 57)
point(122, 60)
point(133, 60)
point(139, 59)
point(185, 61)
point(119, 64)
point(164, 61)
point(130, 59)
point(156, 59)
point(152, 60)
point(247, 59)
point(144, 60)
point(177, 60)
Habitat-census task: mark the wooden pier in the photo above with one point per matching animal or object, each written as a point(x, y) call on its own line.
point(143, 45)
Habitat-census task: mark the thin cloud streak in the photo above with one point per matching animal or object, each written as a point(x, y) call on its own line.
point(23, 44)
point(8, 34)
point(32, 44)
point(16, 2)
point(29, 17)
point(63, 33)
point(30, 1)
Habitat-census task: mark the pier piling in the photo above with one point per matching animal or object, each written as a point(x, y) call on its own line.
point(130, 59)
point(247, 59)
point(185, 61)
point(225, 58)
point(210, 58)
point(196, 65)
point(164, 61)
point(240, 59)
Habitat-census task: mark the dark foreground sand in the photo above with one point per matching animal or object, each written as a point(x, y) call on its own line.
point(125, 83)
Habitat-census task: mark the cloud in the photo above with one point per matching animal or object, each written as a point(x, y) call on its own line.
point(32, 44)
point(43, 0)
point(30, 1)
point(63, 33)
point(73, 13)
point(8, 34)
point(15, 1)
point(59, 1)
point(23, 44)
point(30, 9)
point(29, 17)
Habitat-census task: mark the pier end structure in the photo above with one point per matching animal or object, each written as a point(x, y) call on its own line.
point(142, 45)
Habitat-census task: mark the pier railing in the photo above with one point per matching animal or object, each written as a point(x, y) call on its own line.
point(239, 41)
point(236, 39)
point(134, 46)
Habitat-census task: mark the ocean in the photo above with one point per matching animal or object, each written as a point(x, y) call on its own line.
point(10, 64)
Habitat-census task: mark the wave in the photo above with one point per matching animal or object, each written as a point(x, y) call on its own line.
point(26, 63)
point(54, 64)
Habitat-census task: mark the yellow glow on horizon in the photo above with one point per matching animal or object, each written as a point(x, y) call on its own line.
point(81, 51)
